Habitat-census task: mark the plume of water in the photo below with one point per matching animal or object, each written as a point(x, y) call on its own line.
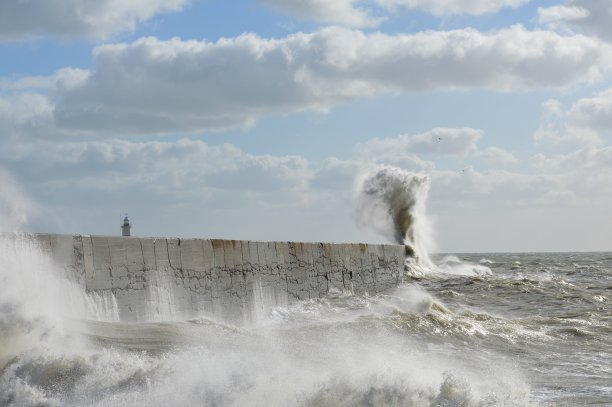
point(32, 306)
point(392, 202)
point(37, 302)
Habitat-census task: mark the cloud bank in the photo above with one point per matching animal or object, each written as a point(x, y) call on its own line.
point(446, 7)
point(587, 16)
point(152, 86)
point(77, 19)
point(342, 12)
point(370, 13)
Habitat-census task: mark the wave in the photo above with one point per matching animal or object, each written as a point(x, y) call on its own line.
point(344, 351)
point(453, 265)
point(37, 303)
point(256, 376)
point(392, 202)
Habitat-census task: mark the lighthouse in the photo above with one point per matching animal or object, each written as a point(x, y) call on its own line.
point(125, 228)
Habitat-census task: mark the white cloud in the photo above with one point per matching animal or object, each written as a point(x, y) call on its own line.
point(581, 178)
point(586, 123)
point(446, 7)
point(587, 172)
point(76, 19)
point(588, 16)
point(496, 157)
point(185, 165)
point(509, 189)
point(595, 111)
point(338, 175)
point(185, 187)
point(155, 87)
point(25, 109)
point(343, 12)
point(464, 187)
point(589, 159)
point(407, 150)
point(62, 78)
point(26, 83)
point(558, 127)
point(552, 16)
point(470, 188)
point(367, 13)
point(445, 141)
point(23, 116)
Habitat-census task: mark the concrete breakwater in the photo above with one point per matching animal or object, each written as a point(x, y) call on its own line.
point(169, 278)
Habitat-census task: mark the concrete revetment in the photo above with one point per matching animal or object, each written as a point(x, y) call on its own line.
point(158, 278)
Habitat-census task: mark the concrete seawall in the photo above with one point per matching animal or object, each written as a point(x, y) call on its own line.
point(161, 278)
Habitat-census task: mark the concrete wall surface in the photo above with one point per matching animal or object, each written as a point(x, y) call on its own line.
point(161, 278)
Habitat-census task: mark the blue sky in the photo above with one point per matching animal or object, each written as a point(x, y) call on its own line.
point(256, 119)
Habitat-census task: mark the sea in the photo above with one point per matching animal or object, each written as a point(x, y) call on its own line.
point(503, 329)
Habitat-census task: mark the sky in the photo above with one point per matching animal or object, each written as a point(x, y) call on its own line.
point(257, 119)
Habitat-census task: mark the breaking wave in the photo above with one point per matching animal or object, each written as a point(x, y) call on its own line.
point(392, 202)
point(39, 306)
point(453, 265)
point(339, 351)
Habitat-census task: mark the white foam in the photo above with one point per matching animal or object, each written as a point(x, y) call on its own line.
point(453, 265)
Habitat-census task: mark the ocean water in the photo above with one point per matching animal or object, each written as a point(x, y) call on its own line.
point(477, 330)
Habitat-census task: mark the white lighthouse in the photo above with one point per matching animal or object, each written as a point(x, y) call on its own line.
point(125, 228)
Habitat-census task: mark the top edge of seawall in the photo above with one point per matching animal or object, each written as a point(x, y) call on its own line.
point(206, 238)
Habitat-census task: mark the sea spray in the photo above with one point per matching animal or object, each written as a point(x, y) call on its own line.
point(38, 303)
point(14, 204)
point(28, 299)
point(31, 307)
point(392, 202)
